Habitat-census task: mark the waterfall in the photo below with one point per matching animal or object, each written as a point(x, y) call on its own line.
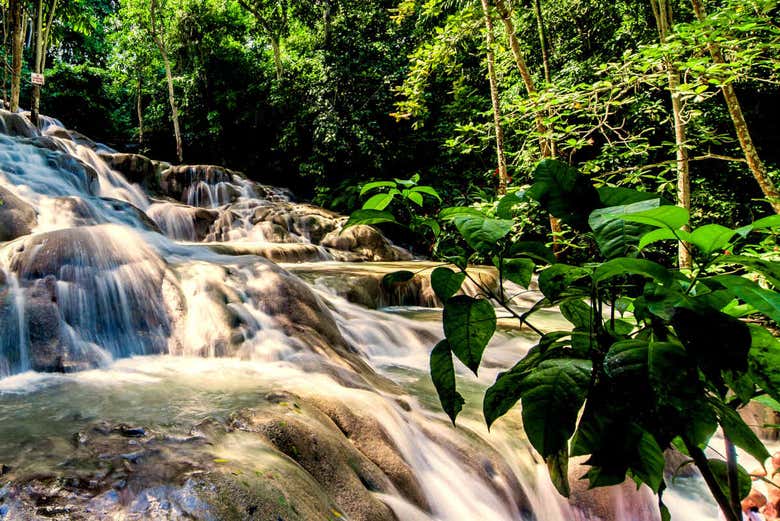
point(156, 358)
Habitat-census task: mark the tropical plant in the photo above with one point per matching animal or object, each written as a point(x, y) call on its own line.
point(655, 357)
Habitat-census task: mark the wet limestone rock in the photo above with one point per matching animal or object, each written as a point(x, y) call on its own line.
point(176, 179)
point(366, 241)
point(313, 441)
point(16, 125)
point(17, 218)
point(135, 167)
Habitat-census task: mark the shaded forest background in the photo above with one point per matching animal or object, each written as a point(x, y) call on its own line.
point(364, 90)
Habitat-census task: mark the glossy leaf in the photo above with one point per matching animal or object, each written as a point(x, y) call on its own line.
point(721, 473)
point(673, 217)
point(427, 190)
point(564, 193)
point(765, 301)
point(561, 279)
point(443, 375)
point(369, 217)
point(764, 360)
point(469, 325)
point(397, 277)
point(446, 282)
point(378, 202)
point(711, 238)
point(519, 271)
point(739, 433)
point(552, 396)
point(374, 185)
point(628, 266)
point(505, 392)
point(482, 233)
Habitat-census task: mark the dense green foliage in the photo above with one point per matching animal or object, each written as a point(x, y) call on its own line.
point(392, 88)
point(654, 357)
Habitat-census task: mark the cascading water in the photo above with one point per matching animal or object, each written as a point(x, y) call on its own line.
point(260, 394)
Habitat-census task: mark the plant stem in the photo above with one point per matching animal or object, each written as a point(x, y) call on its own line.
point(712, 483)
point(733, 474)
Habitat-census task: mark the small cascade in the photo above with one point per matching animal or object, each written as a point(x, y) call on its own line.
point(157, 363)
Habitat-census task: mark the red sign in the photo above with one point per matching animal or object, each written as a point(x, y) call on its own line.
point(37, 79)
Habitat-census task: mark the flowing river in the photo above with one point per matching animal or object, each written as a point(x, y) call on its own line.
point(183, 343)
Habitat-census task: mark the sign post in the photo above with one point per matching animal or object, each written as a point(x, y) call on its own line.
point(37, 79)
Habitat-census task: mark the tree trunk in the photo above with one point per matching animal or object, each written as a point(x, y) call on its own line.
point(662, 11)
point(522, 67)
point(36, 90)
point(757, 167)
point(174, 108)
point(17, 41)
point(503, 176)
point(158, 41)
point(542, 39)
point(139, 108)
point(277, 58)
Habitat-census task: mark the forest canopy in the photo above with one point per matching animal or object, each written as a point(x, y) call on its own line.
point(325, 95)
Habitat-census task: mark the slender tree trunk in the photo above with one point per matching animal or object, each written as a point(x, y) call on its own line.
point(158, 41)
point(139, 108)
point(546, 146)
point(545, 46)
point(277, 58)
point(17, 41)
point(525, 74)
point(757, 167)
point(662, 11)
point(503, 176)
point(36, 90)
point(174, 108)
point(542, 39)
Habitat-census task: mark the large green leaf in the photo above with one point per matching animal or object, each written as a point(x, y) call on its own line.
point(519, 271)
point(506, 206)
point(482, 233)
point(673, 217)
point(376, 184)
point(427, 190)
point(446, 282)
point(560, 280)
point(662, 234)
point(617, 237)
point(469, 325)
point(627, 266)
point(764, 360)
point(578, 313)
point(505, 392)
point(452, 212)
point(564, 193)
point(558, 467)
point(378, 202)
point(397, 277)
point(764, 300)
point(773, 221)
point(443, 375)
point(711, 237)
point(721, 473)
point(739, 433)
point(369, 217)
point(552, 396)
point(771, 270)
point(618, 196)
